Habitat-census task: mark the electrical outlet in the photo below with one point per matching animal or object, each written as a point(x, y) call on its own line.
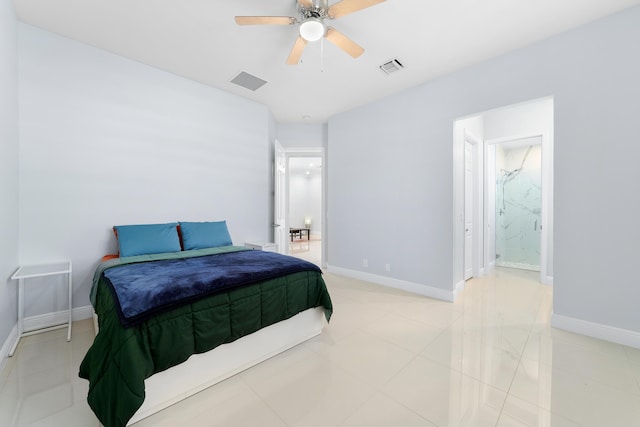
point(365, 262)
point(387, 267)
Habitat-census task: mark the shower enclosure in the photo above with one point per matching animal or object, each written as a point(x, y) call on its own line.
point(518, 204)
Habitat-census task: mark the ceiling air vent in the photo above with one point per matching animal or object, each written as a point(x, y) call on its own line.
point(248, 81)
point(392, 66)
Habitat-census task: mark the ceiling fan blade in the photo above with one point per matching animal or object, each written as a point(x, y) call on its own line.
point(296, 51)
point(346, 7)
point(344, 42)
point(265, 20)
point(305, 3)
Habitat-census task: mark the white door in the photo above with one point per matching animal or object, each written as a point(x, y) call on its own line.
point(280, 232)
point(468, 210)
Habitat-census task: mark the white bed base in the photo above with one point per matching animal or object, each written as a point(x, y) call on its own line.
point(204, 370)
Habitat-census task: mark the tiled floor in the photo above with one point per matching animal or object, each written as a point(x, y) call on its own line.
point(388, 359)
point(307, 249)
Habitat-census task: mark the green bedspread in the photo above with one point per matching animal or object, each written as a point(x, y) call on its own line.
point(120, 359)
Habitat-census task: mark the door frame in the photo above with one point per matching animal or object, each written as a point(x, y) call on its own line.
point(280, 198)
point(477, 221)
point(290, 152)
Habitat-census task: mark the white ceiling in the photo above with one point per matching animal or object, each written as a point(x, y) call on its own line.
point(199, 39)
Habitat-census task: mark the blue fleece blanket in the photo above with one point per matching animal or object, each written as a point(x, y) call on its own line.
point(147, 288)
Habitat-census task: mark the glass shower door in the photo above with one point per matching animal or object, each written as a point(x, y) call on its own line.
point(518, 205)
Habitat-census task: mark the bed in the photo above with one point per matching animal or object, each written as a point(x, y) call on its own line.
point(173, 323)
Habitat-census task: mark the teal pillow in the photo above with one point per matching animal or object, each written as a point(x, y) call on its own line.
point(147, 239)
point(200, 235)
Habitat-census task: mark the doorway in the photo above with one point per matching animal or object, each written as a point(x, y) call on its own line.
point(529, 124)
point(305, 208)
point(517, 202)
point(299, 202)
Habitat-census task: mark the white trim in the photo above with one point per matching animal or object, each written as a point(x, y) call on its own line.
point(477, 217)
point(6, 347)
point(459, 288)
point(51, 319)
point(547, 280)
point(416, 288)
point(471, 137)
point(596, 330)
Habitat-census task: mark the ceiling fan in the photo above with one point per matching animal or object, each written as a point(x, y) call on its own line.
point(312, 27)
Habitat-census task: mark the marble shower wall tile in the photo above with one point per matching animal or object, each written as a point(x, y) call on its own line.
point(518, 202)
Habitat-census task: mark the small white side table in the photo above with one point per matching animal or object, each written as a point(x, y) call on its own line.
point(267, 247)
point(40, 270)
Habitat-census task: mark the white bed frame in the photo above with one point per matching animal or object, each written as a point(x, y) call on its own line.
point(204, 370)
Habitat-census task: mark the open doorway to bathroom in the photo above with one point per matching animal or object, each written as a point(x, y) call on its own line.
point(305, 208)
point(511, 190)
point(517, 202)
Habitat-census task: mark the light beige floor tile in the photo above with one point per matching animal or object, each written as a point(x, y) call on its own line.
point(81, 326)
point(217, 395)
point(317, 393)
point(491, 358)
point(633, 354)
point(369, 358)
point(614, 371)
point(351, 316)
point(444, 396)
point(438, 314)
point(575, 397)
point(246, 411)
point(27, 384)
point(381, 411)
point(595, 359)
point(587, 344)
point(406, 333)
point(357, 290)
point(35, 356)
point(635, 368)
point(9, 408)
point(517, 412)
point(73, 416)
point(275, 365)
point(330, 336)
point(37, 407)
point(483, 361)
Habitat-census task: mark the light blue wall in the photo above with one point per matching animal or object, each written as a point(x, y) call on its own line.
point(292, 135)
point(105, 140)
point(8, 168)
point(400, 206)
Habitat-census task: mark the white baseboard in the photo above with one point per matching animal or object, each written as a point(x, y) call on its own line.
point(4, 350)
point(57, 318)
point(596, 330)
point(547, 280)
point(416, 288)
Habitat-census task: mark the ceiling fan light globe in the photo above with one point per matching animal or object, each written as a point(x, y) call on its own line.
point(312, 30)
